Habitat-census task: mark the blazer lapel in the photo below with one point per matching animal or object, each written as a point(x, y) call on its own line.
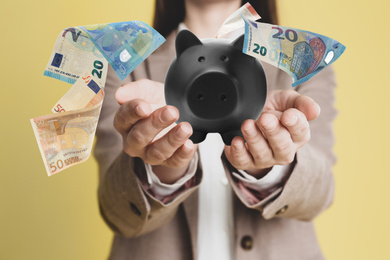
point(156, 66)
point(191, 210)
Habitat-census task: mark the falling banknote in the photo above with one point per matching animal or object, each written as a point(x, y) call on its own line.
point(66, 138)
point(234, 26)
point(81, 56)
point(124, 45)
point(300, 53)
point(74, 53)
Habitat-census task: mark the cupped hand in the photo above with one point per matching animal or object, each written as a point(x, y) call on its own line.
point(275, 137)
point(141, 120)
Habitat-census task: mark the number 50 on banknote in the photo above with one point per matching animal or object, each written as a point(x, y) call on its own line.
point(81, 56)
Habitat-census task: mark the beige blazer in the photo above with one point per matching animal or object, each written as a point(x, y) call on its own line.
point(278, 228)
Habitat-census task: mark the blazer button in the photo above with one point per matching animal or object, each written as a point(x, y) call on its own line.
point(247, 243)
point(280, 211)
point(135, 209)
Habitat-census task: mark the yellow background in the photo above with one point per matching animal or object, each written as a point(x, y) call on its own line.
point(57, 217)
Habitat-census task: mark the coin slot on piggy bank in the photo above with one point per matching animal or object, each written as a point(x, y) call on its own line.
point(215, 86)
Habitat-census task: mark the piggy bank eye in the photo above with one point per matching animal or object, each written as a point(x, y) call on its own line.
point(201, 59)
point(224, 58)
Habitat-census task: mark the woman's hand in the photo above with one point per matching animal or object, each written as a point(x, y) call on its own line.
point(146, 125)
point(275, 137)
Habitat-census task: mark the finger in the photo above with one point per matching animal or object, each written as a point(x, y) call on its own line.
point(182, 155)
point(238, 155)
point(151, 91)
point(297, 124)
point(165, 147)
point(257, 144)
point(129, 113)
point(142, 133)
point(280, 100)
point(278, 137)
point(307, 106)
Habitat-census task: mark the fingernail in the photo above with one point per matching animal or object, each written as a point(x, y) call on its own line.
point(140, 111)
point(118, 94)
point(237, 145)
point(318, 109)
point(168, 115)
point(269, 125)
point(292, 121)
point(250, 130)
point(189, 144)
point(184, 130)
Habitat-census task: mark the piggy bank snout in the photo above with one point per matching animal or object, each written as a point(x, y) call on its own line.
point(212, 95)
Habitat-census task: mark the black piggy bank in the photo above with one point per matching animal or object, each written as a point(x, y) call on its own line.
point(215, 86)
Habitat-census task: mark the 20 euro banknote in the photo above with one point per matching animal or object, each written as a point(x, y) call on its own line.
point(90, 48)
point(124, 45)
point(73, 54)
point(300, 53)
point(81, 56)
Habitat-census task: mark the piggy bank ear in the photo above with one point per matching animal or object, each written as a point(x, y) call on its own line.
point(239, 42)
point(184, 40)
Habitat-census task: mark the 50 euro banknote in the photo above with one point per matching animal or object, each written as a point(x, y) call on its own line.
point(300, 53)
point(66, 137)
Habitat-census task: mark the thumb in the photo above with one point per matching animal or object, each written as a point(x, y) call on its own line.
point(123, 94)
point(148, 90)
point(308, 107)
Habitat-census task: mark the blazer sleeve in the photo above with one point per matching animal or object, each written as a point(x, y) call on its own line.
point(127, 209)
point(310, 187)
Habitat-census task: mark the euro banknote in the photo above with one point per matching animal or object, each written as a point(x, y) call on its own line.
point(124, 45)
point(65, 138)
point(74, 53)
point(84, 93)
point(81, 56)
point(300, 53)
point(234, 25)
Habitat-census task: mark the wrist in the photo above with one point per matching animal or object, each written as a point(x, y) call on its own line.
point(170, 175)
point(258, 173)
